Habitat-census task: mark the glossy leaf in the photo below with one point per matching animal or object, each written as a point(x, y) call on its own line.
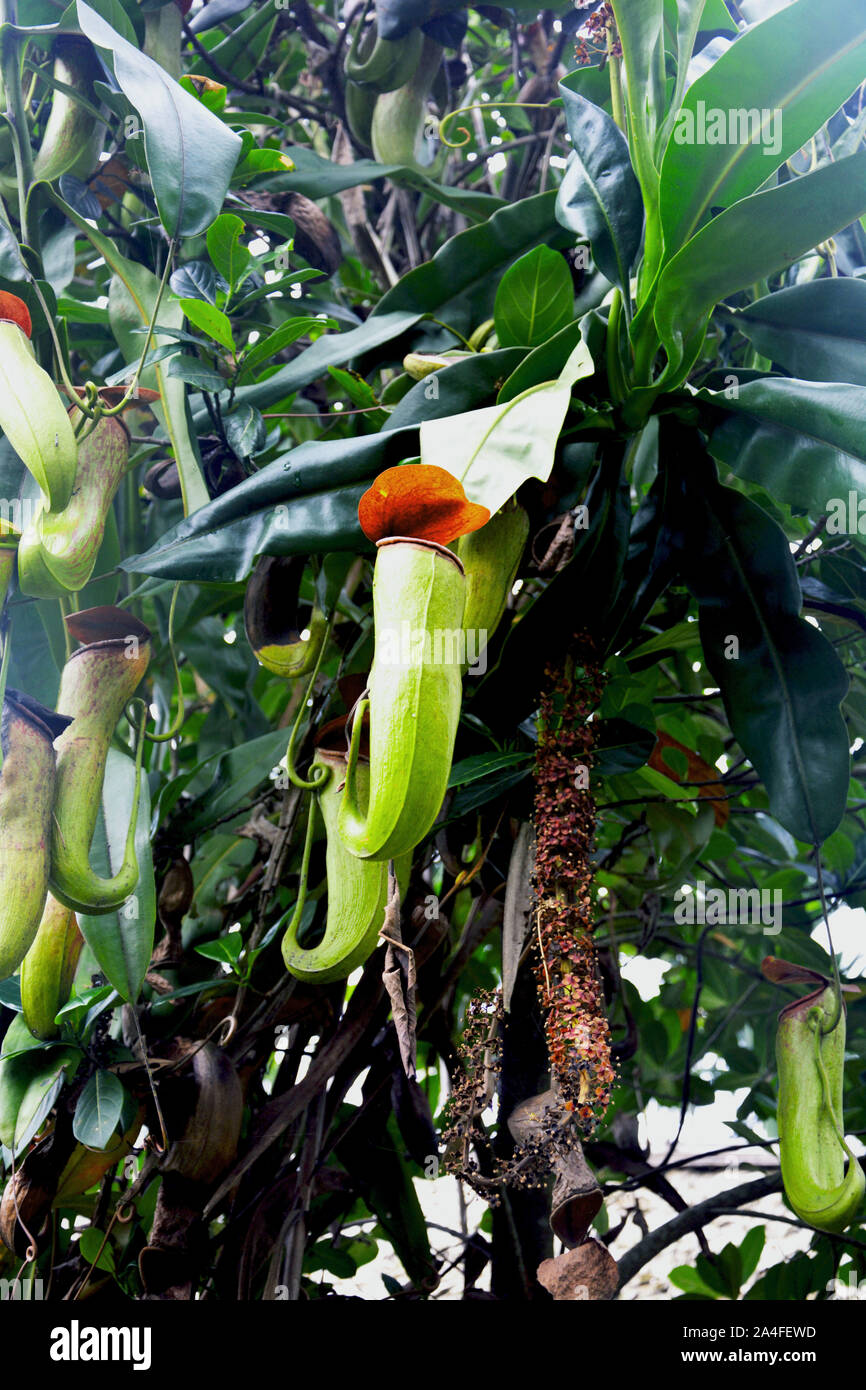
point(211, 321)
point(783, 683)
point(245, 431)
point(747, 243)
point(98, 1110)
point(217, 12)
point(303, 503)
point(816, 330)
point(800, 65)
point(195, 280)
point(683, 21)
point(31, 1076)
point(316, 178)
point(496, 449)
point(535, 298)
point(801, 440)
point(641, 31)
point(231, 258)
point(191, 154)
point(599, 198)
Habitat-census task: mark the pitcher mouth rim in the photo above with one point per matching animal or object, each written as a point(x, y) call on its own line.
point(104, 644)
point(423, 545)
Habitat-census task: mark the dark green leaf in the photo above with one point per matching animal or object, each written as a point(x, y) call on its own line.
point(803, 441)
point(599, 197)
point(195, 280)
point(782, 683)
point(98, 1111)
point(816, 330)
point(284, 509)
point(196, 373)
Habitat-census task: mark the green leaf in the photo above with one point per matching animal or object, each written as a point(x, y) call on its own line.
point(98, 1111)
point(803, 441)
point(542, 363)
point(191, 154)
point(31, 1077)
point(317, 177)
point(132, 297)
point(803, 63)
point(683, 21)
point(269, 346)
point(94, 1252)
point(483, 765)
point(641, 31)
point(496, 449)
point(816, 330)
point(122, 941)
point(535, 299)
point(685, 1277)
point(233, 776)
point(245, 431)
point(226, 949)
point(751, 1248)
point(216, 13)
point(783, 683)
point(80, 1004)
point(231, 258)
point(465, 262)
point(211, 321)
point(305, 502)
point(749, 242)
point(196, 373)
point(599, 197)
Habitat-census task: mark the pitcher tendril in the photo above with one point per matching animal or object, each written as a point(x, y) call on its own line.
point(487, 106)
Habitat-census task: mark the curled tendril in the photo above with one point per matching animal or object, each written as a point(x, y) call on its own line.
point(483, 106)
point(319, 774)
